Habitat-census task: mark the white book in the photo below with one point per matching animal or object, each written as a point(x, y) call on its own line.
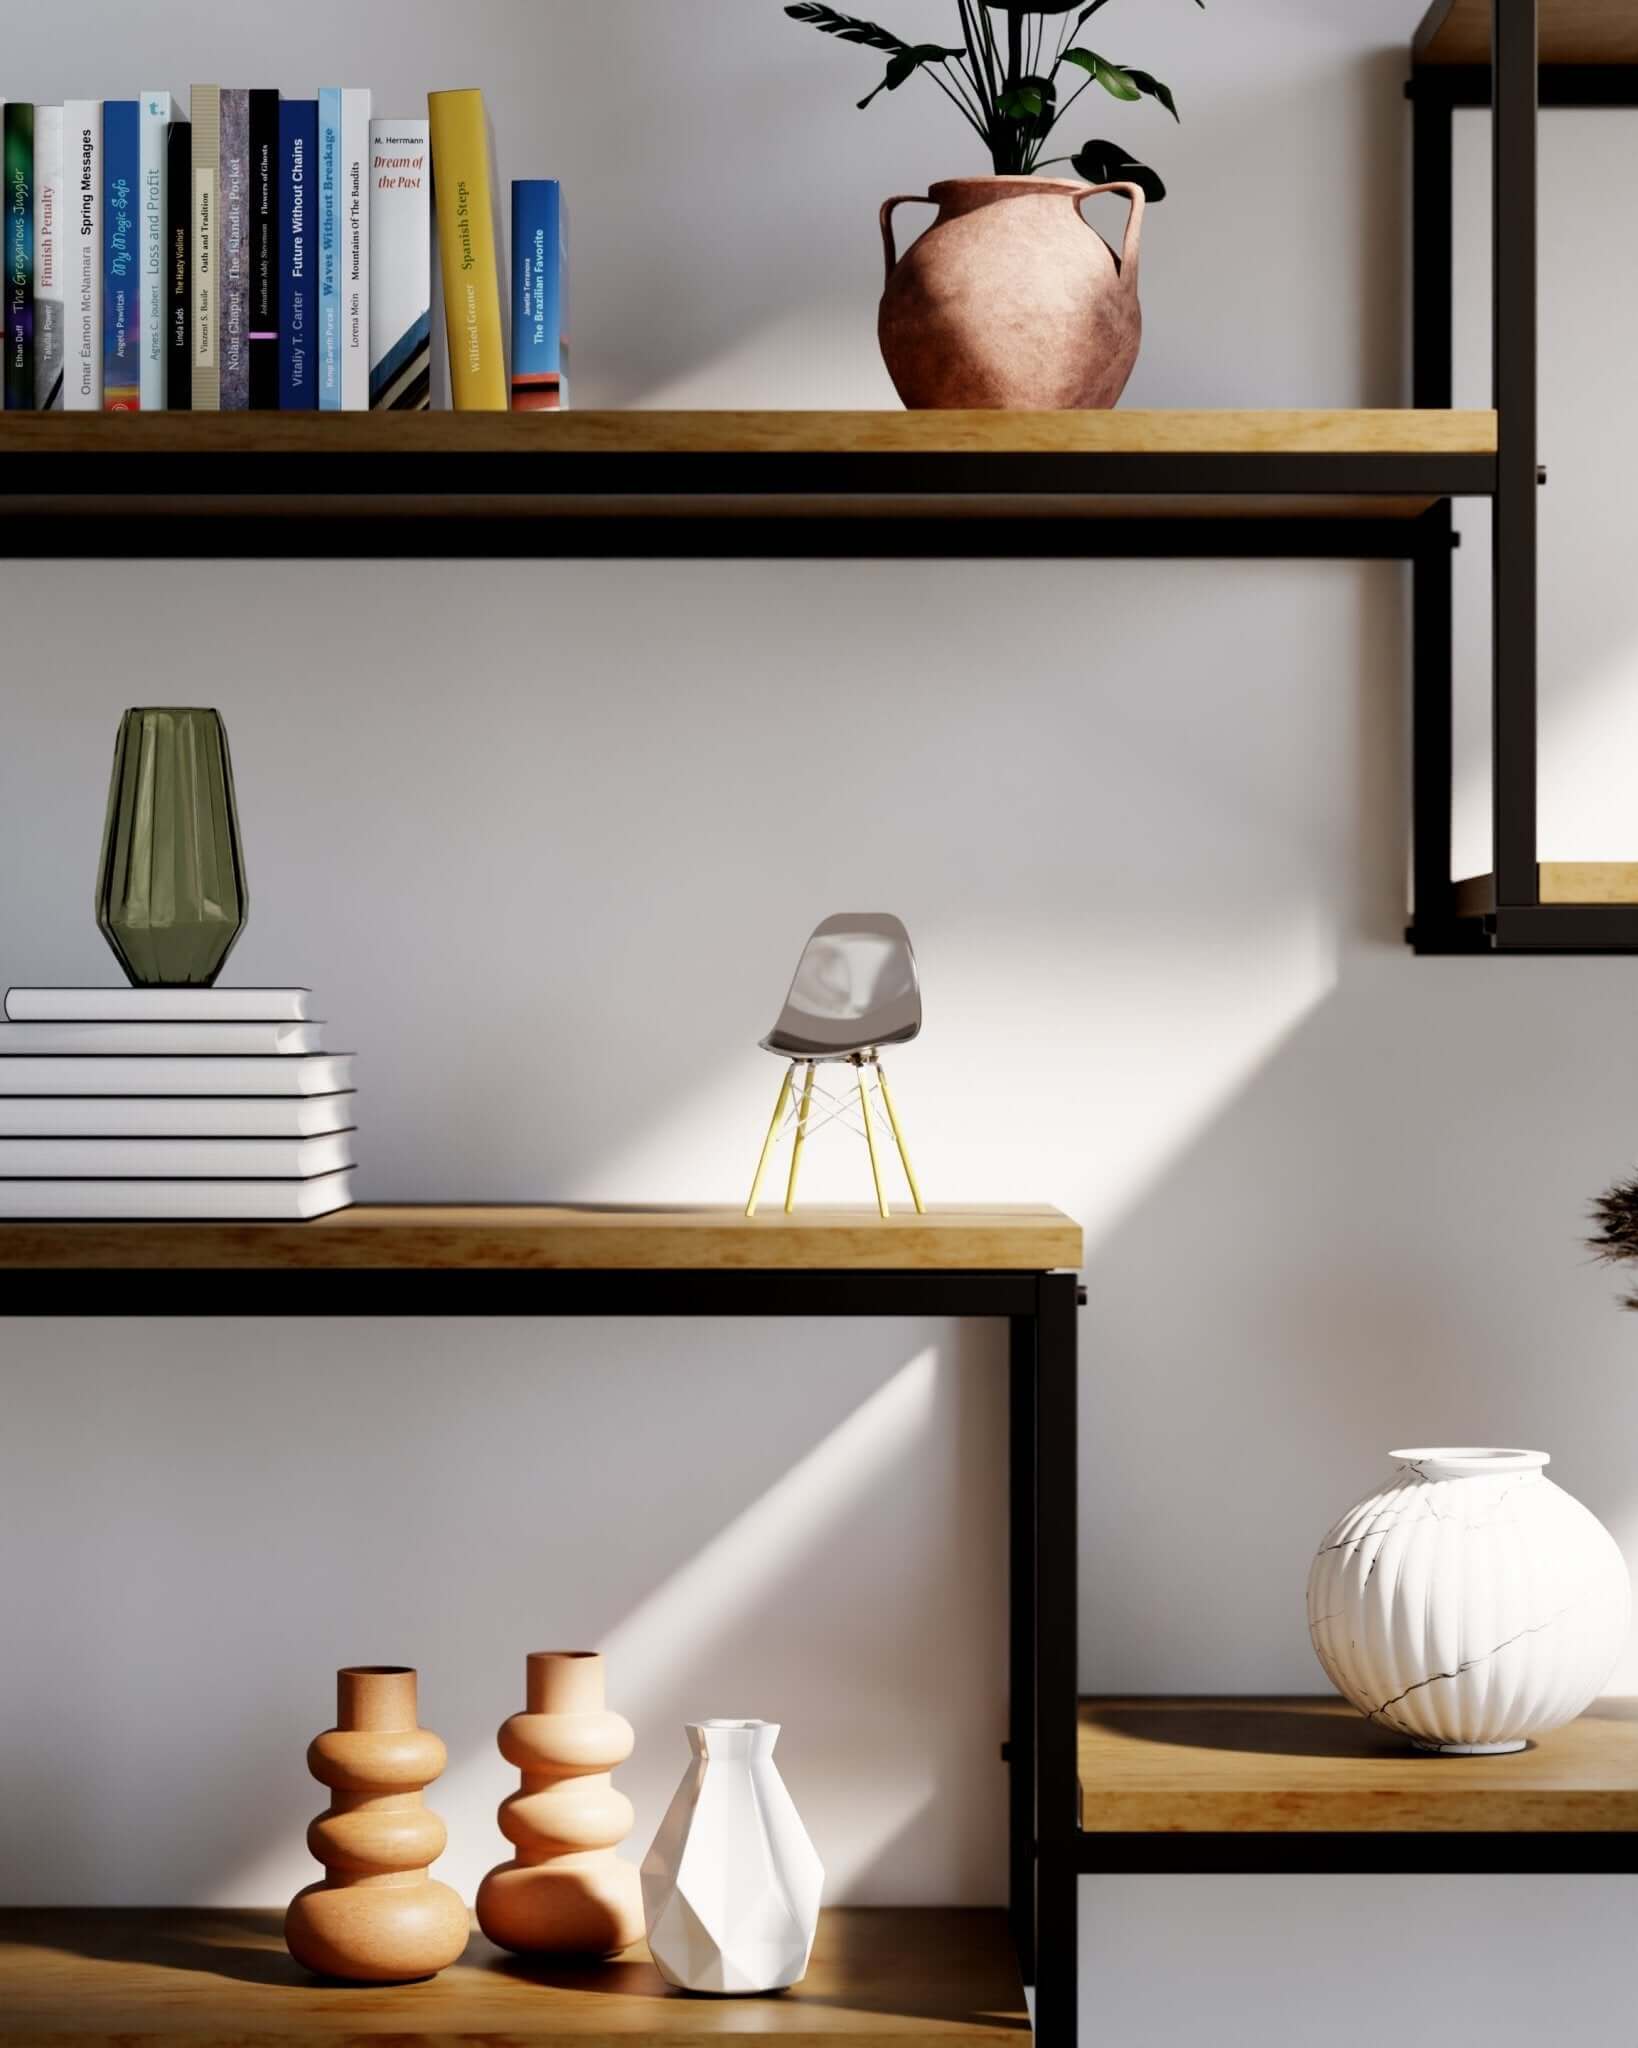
point(82, 272)
point(49, 251)
point(84, 1074)
point(400, 266)
point(175, 1116)
point(173, 1041)
point(159, 1005)
point(175, 1158)
point(155, 113)
point(176, 1201)
point(355, 249)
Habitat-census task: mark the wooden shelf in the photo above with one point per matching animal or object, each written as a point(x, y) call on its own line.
point(1571, 32)
point(540, 437)
point(1295, 1766)
point(444, 1239)
point(543, 435)
point(1559, 881)
point(223, 1980)
point(551, 474)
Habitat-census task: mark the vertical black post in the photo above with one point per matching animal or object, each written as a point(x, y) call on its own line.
point(1513, 127)
point(1433, 290)
point(1433, 253)
point(1057, 1701)
point(1432, 725)
point(1021, 1709)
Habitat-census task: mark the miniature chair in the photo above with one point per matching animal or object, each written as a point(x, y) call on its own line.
point(855, 991)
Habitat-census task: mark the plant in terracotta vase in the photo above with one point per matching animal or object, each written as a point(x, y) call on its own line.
point(1010, 299)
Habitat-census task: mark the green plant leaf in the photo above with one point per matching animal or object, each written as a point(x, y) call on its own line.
point(1110, 76)
point(1029, 99)
point(847, 26)
point(1146, 81)
point(905, 66)
point(1106, 163)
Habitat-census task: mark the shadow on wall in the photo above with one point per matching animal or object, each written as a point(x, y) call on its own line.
point(1359, 1252)
point(268, 1532)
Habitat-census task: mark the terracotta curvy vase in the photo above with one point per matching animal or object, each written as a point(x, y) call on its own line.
point(377, 1918)
point(732, 1884)
point(565, 1892)
point(1011, 301)
point(1471, 1605)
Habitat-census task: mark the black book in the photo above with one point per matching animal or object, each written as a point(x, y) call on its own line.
point(178, 267)
point(264, 252)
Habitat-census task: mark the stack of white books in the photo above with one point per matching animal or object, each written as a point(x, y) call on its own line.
point(172, 1104)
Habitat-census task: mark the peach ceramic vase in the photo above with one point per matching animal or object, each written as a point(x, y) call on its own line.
point(565, 1892)
point(377, 1917)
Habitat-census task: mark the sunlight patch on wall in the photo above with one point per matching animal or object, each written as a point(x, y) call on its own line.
point(678, 1656)
point(1074, 1065)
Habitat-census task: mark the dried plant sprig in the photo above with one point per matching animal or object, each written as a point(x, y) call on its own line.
point(1615, 1239)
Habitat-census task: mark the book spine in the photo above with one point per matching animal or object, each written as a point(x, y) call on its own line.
point(400, 267)
point(233, 339)
point(82, 265)
point(178, 267)
point(329, 250)
point(18, 215)
point(49, 252)
point(355, 250)
point(121, 257)
point(463, 189)
point(157, 112)
point(204, 249)
point(539, 382)
point(298, 276)
point(264, 251)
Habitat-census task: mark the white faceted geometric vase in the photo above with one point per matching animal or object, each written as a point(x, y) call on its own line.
point(1472, 1604)
point(732, 1884)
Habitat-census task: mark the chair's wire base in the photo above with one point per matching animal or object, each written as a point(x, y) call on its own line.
point(865, 1110)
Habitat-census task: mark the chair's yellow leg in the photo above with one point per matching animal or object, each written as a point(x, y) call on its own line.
point(801, 1138)
point(870, 1140)
point(904, 1150)
point(772, 1138)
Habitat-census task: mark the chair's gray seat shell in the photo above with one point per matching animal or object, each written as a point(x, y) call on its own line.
point(856, 989)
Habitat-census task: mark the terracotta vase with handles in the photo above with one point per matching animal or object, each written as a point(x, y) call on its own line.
point(1011, 301)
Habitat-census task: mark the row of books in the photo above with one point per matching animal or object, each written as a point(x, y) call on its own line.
point(172, 1105)
point(269, 254)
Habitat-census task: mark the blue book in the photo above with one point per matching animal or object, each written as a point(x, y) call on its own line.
point(329, 248)
point(540, 303)
point(298, 252)
point(121, 256)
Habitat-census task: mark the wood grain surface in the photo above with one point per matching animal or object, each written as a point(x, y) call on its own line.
point(223, 1980)
point(1294, 1765)
point(1571, 32)
point(1559, 881)
point(1020, 1239)
point(753, 433)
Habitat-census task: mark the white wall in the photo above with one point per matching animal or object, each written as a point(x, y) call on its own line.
point(1147, 825)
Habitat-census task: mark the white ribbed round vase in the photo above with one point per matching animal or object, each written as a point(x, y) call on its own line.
point(1470, 1605)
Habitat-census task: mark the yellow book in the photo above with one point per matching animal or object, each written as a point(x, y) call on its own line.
point(466, 240)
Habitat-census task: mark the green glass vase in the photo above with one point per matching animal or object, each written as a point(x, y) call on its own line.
point(171, 894)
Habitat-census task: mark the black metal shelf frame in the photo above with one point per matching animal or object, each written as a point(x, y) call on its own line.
point(1048, 1852)
point(1040, 1312)
point(1514, 87)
